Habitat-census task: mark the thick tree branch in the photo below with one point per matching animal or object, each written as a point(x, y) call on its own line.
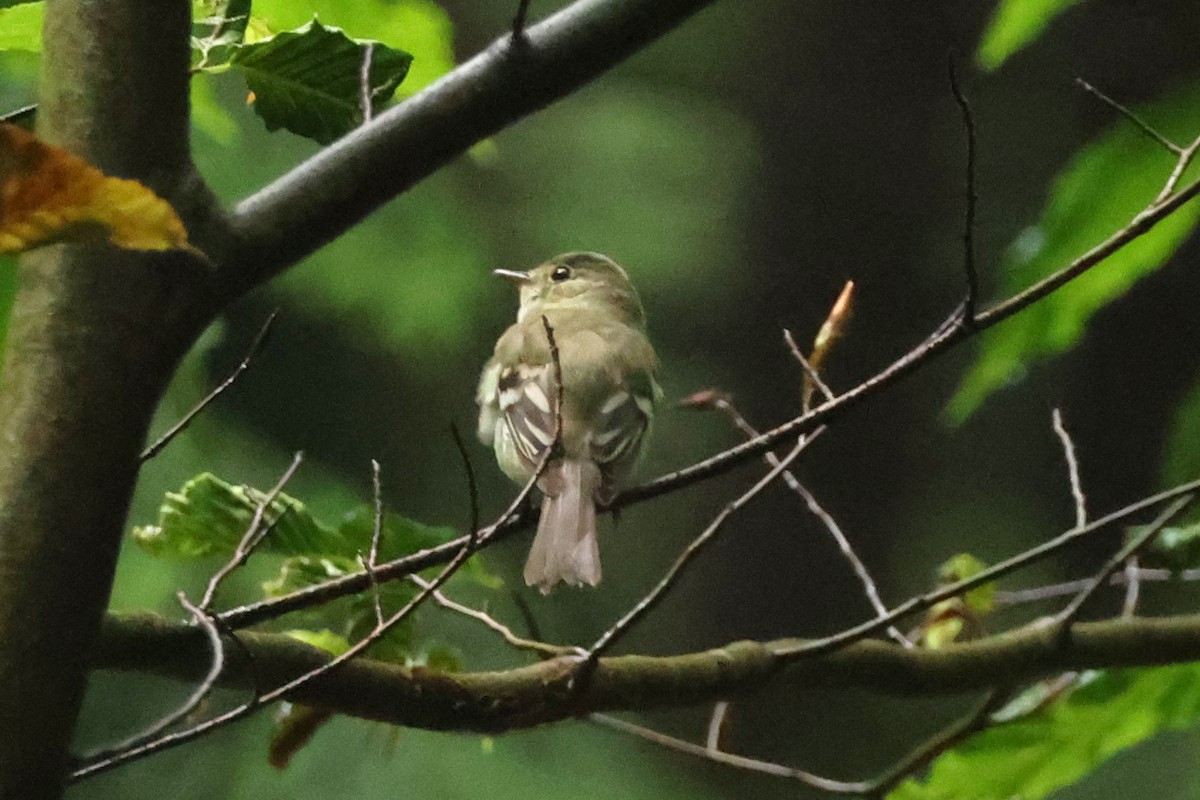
point(93, 337)
point(493, 702)
point(330, 192)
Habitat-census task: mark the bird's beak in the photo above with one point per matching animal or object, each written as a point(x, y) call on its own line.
point(514, 275)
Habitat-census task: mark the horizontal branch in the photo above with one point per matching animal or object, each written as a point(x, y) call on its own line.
point(516, 76)
point(493, 702)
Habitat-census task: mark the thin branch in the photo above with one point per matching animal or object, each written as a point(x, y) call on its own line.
point(656, 594)
point(469, 469)
point(1051, 591)
point(1068, 446)
point(917, 604)
point(942, 340)
point(723, 403)
point(256, 348)
point(253, 536)
point(731, 760)
point(1185, 159)
point(1140, 123)
point(941, 742)
point(376, 534)
point(216, 645)
point(716, 725)
point(366, 96)
point(543, 649)
point(172, 740)
point(1065, 618)
point(1133, 587)
point(518, 23)
point(343, 183)
point(972, 196)
point(809, 370)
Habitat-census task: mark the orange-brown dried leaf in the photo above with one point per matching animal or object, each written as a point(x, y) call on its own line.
point(49, 195)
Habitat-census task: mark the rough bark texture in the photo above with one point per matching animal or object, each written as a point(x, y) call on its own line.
point(94, 335)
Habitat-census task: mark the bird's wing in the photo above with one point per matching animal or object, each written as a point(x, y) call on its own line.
point(527, 400)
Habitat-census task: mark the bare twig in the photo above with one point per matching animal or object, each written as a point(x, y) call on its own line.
point(1133, 587)
point(723, 403)
point(1141, 124)
point(518, 23)
point(1065, 618)
point(656, 594)
point(972, 196)
point(1185, 159)
point(469, 469)
point(814, 647)
point(366, 96)
point(943, 339)
point(1068, 446)
point(376, 534)
point(168, 741)
point(729, 759)
point(716, 725)
point(939, 743)
point(253, 536)
point(1051, 591)
point(521, 643)
point(256, 348)
point(920, 758)
point(812, 377)
point(217, 647)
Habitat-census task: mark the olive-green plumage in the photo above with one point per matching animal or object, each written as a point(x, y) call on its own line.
point(608, 397)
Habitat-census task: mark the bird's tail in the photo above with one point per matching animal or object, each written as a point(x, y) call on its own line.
point(565, 548)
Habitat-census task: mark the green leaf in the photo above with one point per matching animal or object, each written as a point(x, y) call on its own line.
point(1032, 756)
point(1014, 24)
point(21, 27)
point(1099, 192)
point(209, 516)
point(307, 80)
point(419, 27)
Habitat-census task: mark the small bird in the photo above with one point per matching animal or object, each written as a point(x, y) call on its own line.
point(608, 397)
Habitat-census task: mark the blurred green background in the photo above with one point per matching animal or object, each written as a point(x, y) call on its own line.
point(742, 169)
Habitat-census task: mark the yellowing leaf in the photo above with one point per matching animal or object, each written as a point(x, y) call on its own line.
point(49, 195)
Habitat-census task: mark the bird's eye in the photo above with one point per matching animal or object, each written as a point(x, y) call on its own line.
point(560, 274)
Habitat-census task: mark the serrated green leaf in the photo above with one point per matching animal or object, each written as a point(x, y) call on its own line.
point(419, 27)
point(21, 27)
point(1032, 756)
point(308, 80)
point(1099, 192)
point(1014, 24)
point(323, 639)
point(209, 517)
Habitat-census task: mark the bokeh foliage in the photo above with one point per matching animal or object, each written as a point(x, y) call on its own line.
point(665, 166)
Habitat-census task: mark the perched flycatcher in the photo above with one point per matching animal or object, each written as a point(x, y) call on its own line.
point(608, 397)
